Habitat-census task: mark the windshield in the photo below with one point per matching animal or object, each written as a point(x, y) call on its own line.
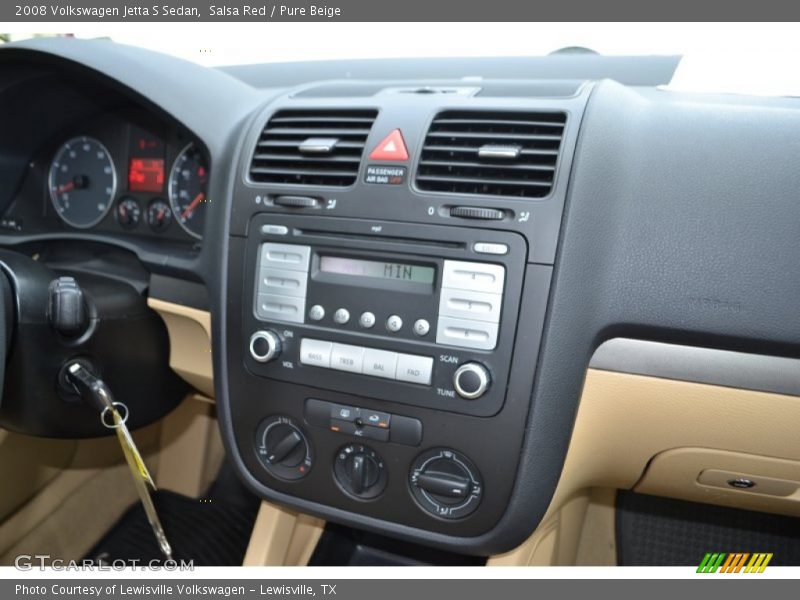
point(733, 57)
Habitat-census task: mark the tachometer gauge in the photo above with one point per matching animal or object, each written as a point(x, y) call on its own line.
point(188, 184)
point(82, 182)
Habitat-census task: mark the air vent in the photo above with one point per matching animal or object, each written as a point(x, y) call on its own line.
point(491, 153)
point(312, 147)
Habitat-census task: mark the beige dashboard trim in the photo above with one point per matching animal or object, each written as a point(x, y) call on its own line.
point(282, 537)
point(190, 342)
point(624, 421)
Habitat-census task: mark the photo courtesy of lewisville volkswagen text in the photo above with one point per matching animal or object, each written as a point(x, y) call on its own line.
point(284, 285)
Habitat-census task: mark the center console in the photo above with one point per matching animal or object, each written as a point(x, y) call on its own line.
point(382, 331)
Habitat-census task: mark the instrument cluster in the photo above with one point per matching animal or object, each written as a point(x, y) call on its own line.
point(125, 173)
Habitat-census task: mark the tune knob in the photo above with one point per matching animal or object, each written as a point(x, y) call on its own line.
point(265, 346)
point(445, 483)
point(360, 471)
point(283, 448)
point(471, 380)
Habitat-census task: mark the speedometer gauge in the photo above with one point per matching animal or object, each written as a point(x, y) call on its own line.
point(188, 184)
point(82, 182)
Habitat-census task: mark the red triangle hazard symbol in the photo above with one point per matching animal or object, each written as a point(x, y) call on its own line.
point(393, 147)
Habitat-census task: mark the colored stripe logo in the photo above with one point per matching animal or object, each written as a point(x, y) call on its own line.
point(737, 562)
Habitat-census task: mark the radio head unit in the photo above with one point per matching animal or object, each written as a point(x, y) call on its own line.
point(428, 321)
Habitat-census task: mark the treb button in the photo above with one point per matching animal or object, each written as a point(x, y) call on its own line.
point(347, 358)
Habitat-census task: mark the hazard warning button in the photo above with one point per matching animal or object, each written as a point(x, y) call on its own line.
point(392, 147)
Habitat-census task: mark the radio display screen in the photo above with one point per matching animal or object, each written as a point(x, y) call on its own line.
point(377, 269)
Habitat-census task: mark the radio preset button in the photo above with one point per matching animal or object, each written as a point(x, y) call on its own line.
point(464, 304)
point(316, 313)
point(281, 308)
point(347, 358)
point(394, 323)
point(380, 363)
point(367, 320)
point(414, 369)
point(421, 327)
point(285, 256)
point(466, 333)
point(315, 353)
point(480, 277)
point(282, 281)
point(341, 316)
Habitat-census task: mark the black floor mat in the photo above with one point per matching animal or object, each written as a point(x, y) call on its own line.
point(653, 531)
point(211, 531)
point(342, 546)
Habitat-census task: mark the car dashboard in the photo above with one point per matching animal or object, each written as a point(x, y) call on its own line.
point(411, 280)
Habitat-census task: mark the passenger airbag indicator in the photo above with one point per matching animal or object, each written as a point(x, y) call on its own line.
point(385, 175)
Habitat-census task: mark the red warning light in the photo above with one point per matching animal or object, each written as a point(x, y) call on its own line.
point(393, 147)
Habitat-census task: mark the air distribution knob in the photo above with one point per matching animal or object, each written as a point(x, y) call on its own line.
point(360, 471)
point(471, 380)
point(265, 345)
point(445, 483)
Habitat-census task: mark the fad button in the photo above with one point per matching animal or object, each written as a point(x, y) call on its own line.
point(392, 147)
point(414, 369)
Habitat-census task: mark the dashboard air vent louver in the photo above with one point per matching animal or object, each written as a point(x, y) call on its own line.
point(312, 147)
point(491, 153)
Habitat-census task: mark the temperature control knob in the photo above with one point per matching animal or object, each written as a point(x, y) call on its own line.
point(265, 346)
point(283, 448)
point(471, 380)
point(360, 471)
point(445, 483)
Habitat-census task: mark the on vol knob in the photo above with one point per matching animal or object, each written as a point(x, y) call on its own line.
point(265, 346)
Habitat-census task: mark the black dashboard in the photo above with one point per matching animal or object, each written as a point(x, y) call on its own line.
point(407, 278)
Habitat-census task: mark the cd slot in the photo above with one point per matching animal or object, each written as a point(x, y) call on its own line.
point(310, 235)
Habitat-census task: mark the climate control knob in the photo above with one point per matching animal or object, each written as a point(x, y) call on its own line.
point(471, 380)
point(283, 449)
point(360, 471)
point(265, 345)
point(445, 483)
